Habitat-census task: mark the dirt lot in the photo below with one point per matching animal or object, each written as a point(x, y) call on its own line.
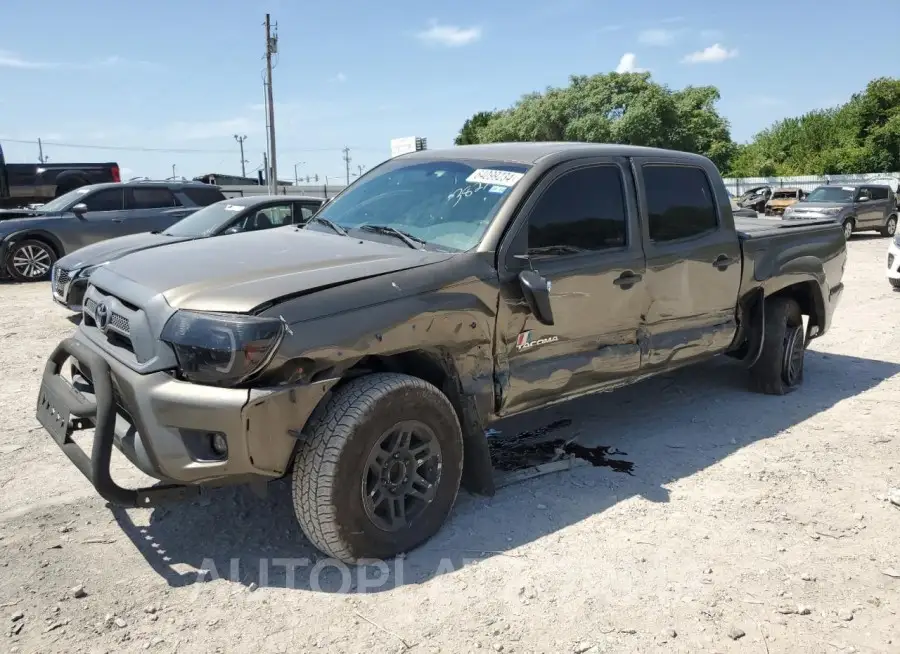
point(750, 524)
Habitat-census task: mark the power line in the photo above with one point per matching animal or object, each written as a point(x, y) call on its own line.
point(140, 148)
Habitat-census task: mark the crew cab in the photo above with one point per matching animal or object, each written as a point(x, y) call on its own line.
point(71, 273)
point(365, 353)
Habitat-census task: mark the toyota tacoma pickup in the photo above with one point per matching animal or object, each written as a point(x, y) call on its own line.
point(365, 353)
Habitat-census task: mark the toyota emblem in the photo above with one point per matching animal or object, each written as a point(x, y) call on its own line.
point(101, 316)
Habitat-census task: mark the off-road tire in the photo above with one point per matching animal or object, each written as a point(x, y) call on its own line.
point(848, 231)
point(890, 227)
point(768, 375)
point(331, 461)
point(36, 250)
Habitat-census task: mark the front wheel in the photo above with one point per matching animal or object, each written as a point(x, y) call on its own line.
point(30, 261)
point(379, 469)
point(890, 228)
point(848, 228)
point(779, 369)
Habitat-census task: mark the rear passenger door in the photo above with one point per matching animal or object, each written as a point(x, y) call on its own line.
point(151, 208)
point(693, 263)
point(580, 230)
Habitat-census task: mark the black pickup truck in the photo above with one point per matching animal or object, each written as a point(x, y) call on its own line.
point(366, 353)
point(26, 184)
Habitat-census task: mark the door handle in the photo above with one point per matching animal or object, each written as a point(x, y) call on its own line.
point(723, 261)
point(627, 279)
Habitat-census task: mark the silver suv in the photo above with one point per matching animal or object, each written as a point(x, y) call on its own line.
point(857, 207)
point(31, 243)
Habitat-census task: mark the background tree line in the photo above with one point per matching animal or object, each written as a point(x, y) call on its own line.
point(860, 136)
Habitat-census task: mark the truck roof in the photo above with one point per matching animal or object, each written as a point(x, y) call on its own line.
point(530, 153)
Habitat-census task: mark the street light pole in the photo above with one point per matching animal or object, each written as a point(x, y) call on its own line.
point(240, 140)
point(296, 178)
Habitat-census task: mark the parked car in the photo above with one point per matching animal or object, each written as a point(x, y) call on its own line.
point(366, 353)
point(783, 198)
point(755, 198)
point(893, 262)
point(71, 273)
point(25, 184)
point(30, 244)
point(856, 207)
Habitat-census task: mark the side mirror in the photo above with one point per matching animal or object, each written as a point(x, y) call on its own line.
point(863, 199)
point(234, 229)
point(537, 294)
point(80, 209)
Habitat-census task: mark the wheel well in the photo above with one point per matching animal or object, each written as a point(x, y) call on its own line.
point(38, 237)
point(807, 296)
point(439, 370)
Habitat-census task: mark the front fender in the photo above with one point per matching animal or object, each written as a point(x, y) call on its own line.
point(41, 234)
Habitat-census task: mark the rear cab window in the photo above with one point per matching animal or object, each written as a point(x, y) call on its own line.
point(680, 202)
point(203, 197)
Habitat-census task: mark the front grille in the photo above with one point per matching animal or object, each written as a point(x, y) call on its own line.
point(60, 281)
point(117, 321)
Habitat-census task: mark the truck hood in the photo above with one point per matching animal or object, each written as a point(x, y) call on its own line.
point(241, 272)
point(112, 249)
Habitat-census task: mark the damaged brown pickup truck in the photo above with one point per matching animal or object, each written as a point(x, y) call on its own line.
point(365, 354)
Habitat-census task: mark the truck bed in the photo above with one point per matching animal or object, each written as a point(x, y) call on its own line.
point(754, 228)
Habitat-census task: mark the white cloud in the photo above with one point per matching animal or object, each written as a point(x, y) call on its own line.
point(450, 36)
point(711, 55)
point(14, 60)
point(656, 36)
point(628, 64)
point(340, 77)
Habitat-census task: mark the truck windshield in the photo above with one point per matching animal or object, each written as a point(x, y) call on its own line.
point(206, 221)
point(840, 194)
point(66, 200)
point(446, 203)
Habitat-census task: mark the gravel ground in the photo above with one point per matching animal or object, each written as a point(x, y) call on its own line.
point(750, 524)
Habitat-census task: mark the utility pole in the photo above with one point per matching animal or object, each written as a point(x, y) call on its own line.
point(347, 163)
point(360, 168)
point(271, 48)
point(296, 178)
point(240, 140)
point(266, 172)
point(41, 156)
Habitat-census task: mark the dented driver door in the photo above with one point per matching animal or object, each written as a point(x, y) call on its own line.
point(580, 231)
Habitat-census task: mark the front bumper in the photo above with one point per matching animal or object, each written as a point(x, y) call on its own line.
point(164, 426)
point(893, 260)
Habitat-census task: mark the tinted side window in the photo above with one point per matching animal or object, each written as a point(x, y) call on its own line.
point(267, 218)
point(203, 196)
point(151, 198)
point(111, 199)
point(582, 210)
point(877, 193)
point(680, 202)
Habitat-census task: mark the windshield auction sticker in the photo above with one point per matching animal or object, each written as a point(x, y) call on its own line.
point(494, 177)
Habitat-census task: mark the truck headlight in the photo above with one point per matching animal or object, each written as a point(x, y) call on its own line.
point(830, 211)
point(222, 349)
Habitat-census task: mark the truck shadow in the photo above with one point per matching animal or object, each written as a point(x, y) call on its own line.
point(683, 422)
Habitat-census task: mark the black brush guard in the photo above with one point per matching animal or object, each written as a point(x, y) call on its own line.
point(62, 409)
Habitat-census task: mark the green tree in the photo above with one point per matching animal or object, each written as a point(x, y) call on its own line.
point(612, 108)
point(860, 136)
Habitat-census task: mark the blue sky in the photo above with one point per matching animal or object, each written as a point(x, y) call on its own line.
point(184, 77)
